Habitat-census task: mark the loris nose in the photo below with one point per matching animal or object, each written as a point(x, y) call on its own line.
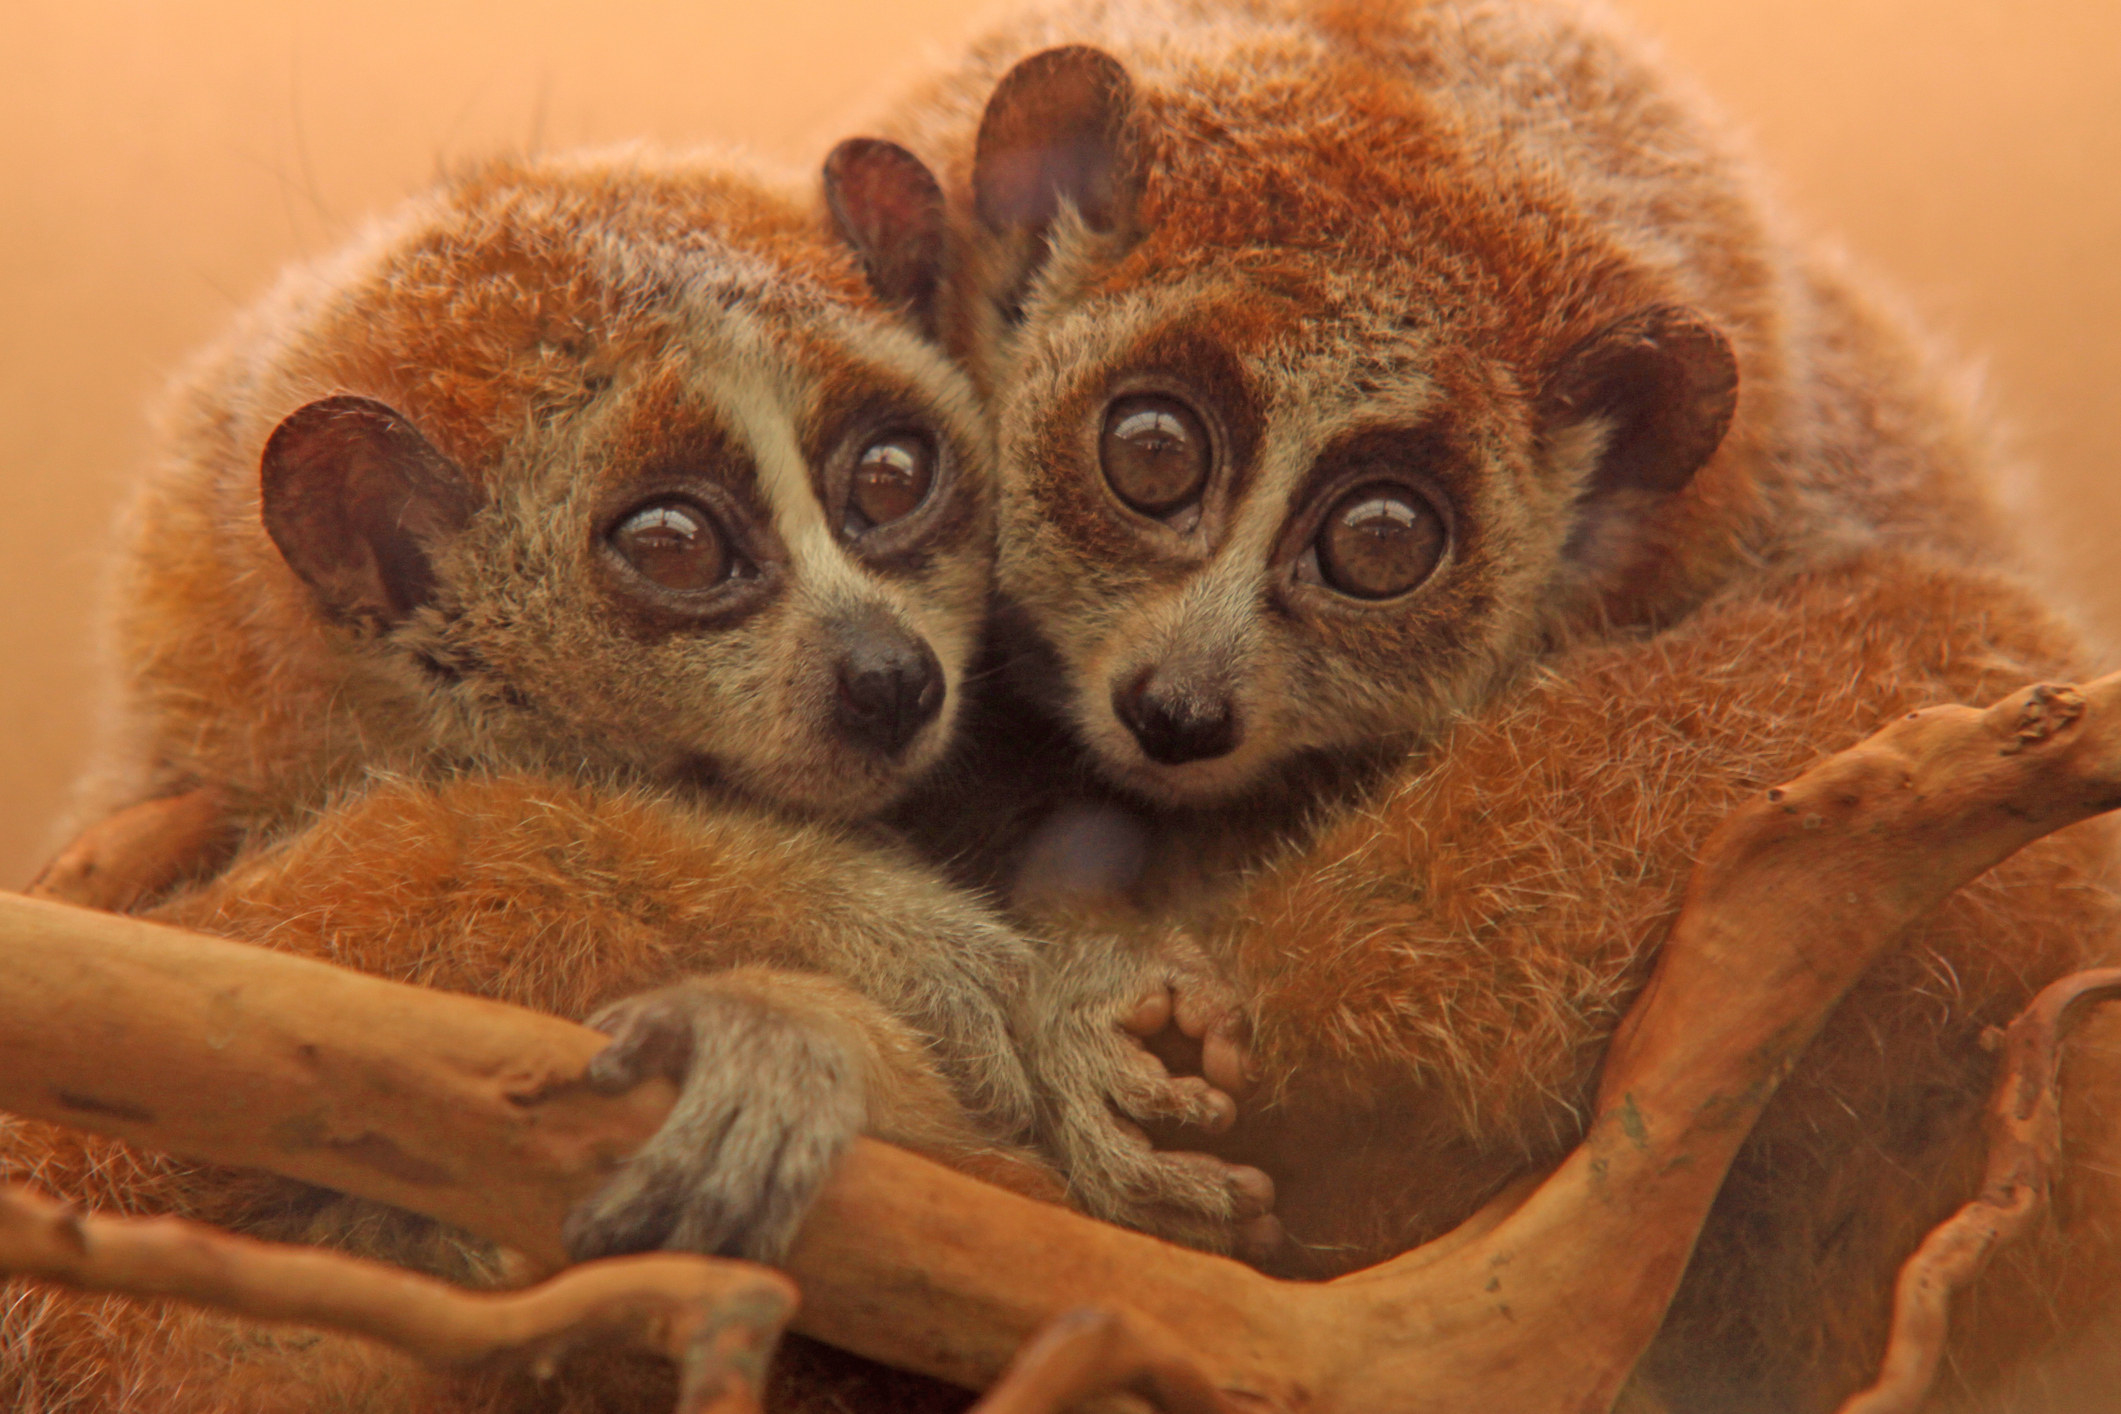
point(1176, 721)
point(890, 685)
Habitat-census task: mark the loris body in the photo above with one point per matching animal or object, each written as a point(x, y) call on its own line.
point(1435, 487)
point(615, 470)
point(550, 588)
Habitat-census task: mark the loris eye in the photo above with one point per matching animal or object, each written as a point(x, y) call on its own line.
point(1155, 453)
point(891, 479)
point(1380, 540)
point(675, 544)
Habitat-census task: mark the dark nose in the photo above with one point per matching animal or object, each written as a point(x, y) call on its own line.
point(890, 685)
point(1176, 721)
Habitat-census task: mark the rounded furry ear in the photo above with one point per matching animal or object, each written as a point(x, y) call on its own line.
point(357, 502)
point(889, 207)
point(1664, 384)
point(1058, 128)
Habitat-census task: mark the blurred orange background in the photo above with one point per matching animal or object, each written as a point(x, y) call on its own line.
point(160, 162)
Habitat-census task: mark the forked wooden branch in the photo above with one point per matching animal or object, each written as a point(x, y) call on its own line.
point(2025, 1137)
point(716, 1320)
point(470, 1112)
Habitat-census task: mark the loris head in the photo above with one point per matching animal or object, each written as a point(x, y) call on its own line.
point(635, 466)
point(1316, 412)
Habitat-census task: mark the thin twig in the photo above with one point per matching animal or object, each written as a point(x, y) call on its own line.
point(2025, 1138)
point(718, 1320)
point(1093, 1351)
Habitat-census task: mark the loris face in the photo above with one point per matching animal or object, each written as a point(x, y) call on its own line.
point(735, 535)
point(1299, 475)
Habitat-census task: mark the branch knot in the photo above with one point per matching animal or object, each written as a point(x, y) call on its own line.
point(2049, 707)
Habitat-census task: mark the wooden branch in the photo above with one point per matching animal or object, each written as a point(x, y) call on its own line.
point(2025, 1138)
point(717, 1320)
point(469, 1111)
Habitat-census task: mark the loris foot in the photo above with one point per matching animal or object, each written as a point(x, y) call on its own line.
point(1104, 1091)
point(768, 1102)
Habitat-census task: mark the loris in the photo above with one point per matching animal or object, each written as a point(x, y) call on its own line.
point(551, 586)
point(1435, 487)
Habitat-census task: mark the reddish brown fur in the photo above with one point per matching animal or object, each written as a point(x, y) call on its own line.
point(1442, 856)
point(576, 339)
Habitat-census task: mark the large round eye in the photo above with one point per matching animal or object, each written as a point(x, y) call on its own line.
point(675, 544)
point(1380, 540)
point(1155, 453)
point(892, 477)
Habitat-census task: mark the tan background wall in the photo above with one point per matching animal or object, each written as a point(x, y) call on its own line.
point(158, 162)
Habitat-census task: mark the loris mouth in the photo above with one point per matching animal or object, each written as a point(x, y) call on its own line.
point(1196, 784)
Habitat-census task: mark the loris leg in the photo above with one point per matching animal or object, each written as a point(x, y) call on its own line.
point(567, 898)
point(63, 1350)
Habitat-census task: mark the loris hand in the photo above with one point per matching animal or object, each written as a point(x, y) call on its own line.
point(1187, 1016)
point(768, 1101)
point(1103, 1090)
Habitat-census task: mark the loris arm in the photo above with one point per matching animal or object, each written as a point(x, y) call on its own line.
point(814, 986)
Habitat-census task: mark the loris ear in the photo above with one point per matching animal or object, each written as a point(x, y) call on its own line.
point(358, 502)
point(1661, 384)
point(889, 207)
point(1058, 128)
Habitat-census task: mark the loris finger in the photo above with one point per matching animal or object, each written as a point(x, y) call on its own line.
point(1226, 1060)
point(635, 1211)
point(1201, 1000)
point(651, 1035)
point(1261, 1240)
point(1152, 1013)
point(1145, 1091)
point(1251, 1191)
